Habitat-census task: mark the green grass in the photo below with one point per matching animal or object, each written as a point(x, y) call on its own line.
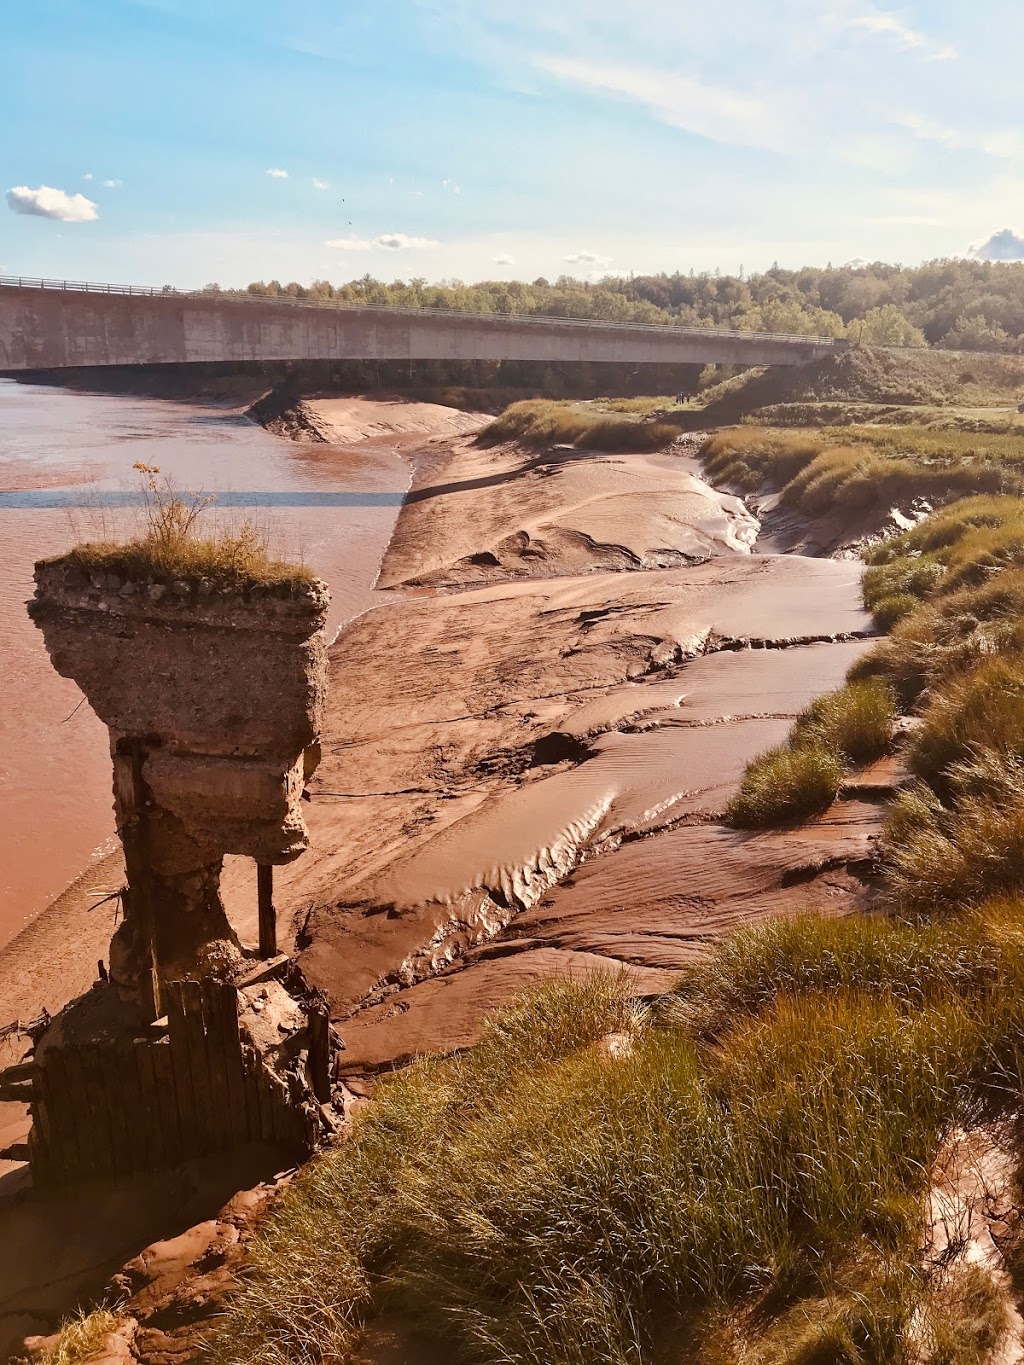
point(978, 710)
point(545, 422)
point(784, 786)
point(857, 468)
point(557, 1205)
point(855, 723)
point(801, 778)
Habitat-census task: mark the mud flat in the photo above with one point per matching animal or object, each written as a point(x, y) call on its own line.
point(527, 758)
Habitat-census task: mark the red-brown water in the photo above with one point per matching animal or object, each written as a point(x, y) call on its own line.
point(64, 458)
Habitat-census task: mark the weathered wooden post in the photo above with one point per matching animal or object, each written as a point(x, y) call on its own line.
point(268, 915)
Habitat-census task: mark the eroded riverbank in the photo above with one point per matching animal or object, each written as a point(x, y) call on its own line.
point(527, 751)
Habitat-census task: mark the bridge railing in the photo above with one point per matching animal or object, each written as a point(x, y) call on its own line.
point(527, 319)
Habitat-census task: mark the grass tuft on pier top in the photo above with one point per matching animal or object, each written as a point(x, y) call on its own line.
point(237, 559)
point(176, 543)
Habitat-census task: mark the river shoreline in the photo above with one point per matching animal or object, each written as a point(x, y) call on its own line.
point(530, 739)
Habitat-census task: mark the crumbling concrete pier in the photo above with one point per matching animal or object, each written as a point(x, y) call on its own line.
point(213, 695)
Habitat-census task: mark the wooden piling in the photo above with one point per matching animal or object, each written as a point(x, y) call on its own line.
point(268, 915)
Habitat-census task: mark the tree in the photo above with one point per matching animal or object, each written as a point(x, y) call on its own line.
point(885, 326)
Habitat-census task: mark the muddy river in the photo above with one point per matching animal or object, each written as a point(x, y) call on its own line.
point(66, 474)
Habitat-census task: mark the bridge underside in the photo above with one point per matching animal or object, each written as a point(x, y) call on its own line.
point(42, 329)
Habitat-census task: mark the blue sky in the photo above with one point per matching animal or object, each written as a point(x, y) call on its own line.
point(477, 139)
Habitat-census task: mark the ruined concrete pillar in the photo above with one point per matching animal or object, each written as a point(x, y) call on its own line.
point(213, 697)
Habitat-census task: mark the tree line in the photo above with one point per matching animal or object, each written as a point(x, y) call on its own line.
point(958, 304)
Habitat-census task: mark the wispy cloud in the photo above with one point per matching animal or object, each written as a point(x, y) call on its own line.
point(1005, 144)
point(276, 173)
point(88, 175)
point(907, 220)
point(112, 184)
point(716, 112)
point(590, 260)
point(909, 39)
point(46, 202)
point(504, 260)
point(320, 184)
point(1005, 245)
point(451, 187)
point(398, 241)
point(387, 241)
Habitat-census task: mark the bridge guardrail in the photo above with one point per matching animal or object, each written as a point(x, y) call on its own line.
point(529, 319)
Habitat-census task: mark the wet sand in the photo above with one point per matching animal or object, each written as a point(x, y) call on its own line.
point(526, 761)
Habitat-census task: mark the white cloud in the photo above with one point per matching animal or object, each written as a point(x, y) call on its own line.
point(320, 184)
point(276, 173)
point(46, 202)
point(398, 241)
point(504, 260)
point(1005, 245)
point(591, 260)
point(909, 39)
point(714, 112)
point(451, 186)
point(88, 175)
point(388, 241)
point(112, 184)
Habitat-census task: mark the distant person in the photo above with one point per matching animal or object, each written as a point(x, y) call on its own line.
point(1020, 407)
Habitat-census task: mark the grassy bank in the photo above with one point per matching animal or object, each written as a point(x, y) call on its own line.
point(746, 1170)
point(849, 470)
point(544, 423)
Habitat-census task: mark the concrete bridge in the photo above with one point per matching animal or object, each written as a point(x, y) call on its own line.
point(53, 324)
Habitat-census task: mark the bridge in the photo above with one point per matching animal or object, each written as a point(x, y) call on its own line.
point(57, 324)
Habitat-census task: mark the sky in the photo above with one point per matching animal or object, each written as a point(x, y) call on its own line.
point(192, 141)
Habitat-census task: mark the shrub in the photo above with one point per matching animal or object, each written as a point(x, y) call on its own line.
point(854, 722)
point(786, 785)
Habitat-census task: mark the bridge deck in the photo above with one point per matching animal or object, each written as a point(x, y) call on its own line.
point(52, 324)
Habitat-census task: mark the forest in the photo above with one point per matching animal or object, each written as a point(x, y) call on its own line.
point(956, 304)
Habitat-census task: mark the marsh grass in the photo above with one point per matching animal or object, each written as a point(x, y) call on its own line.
point(978, 710)
point(179, 538)
point(786, 785)
point(566, 1208)
point(801, 778)
point(546, 422)
point(855, 722)
point(81, 1337)
point(853, 469)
